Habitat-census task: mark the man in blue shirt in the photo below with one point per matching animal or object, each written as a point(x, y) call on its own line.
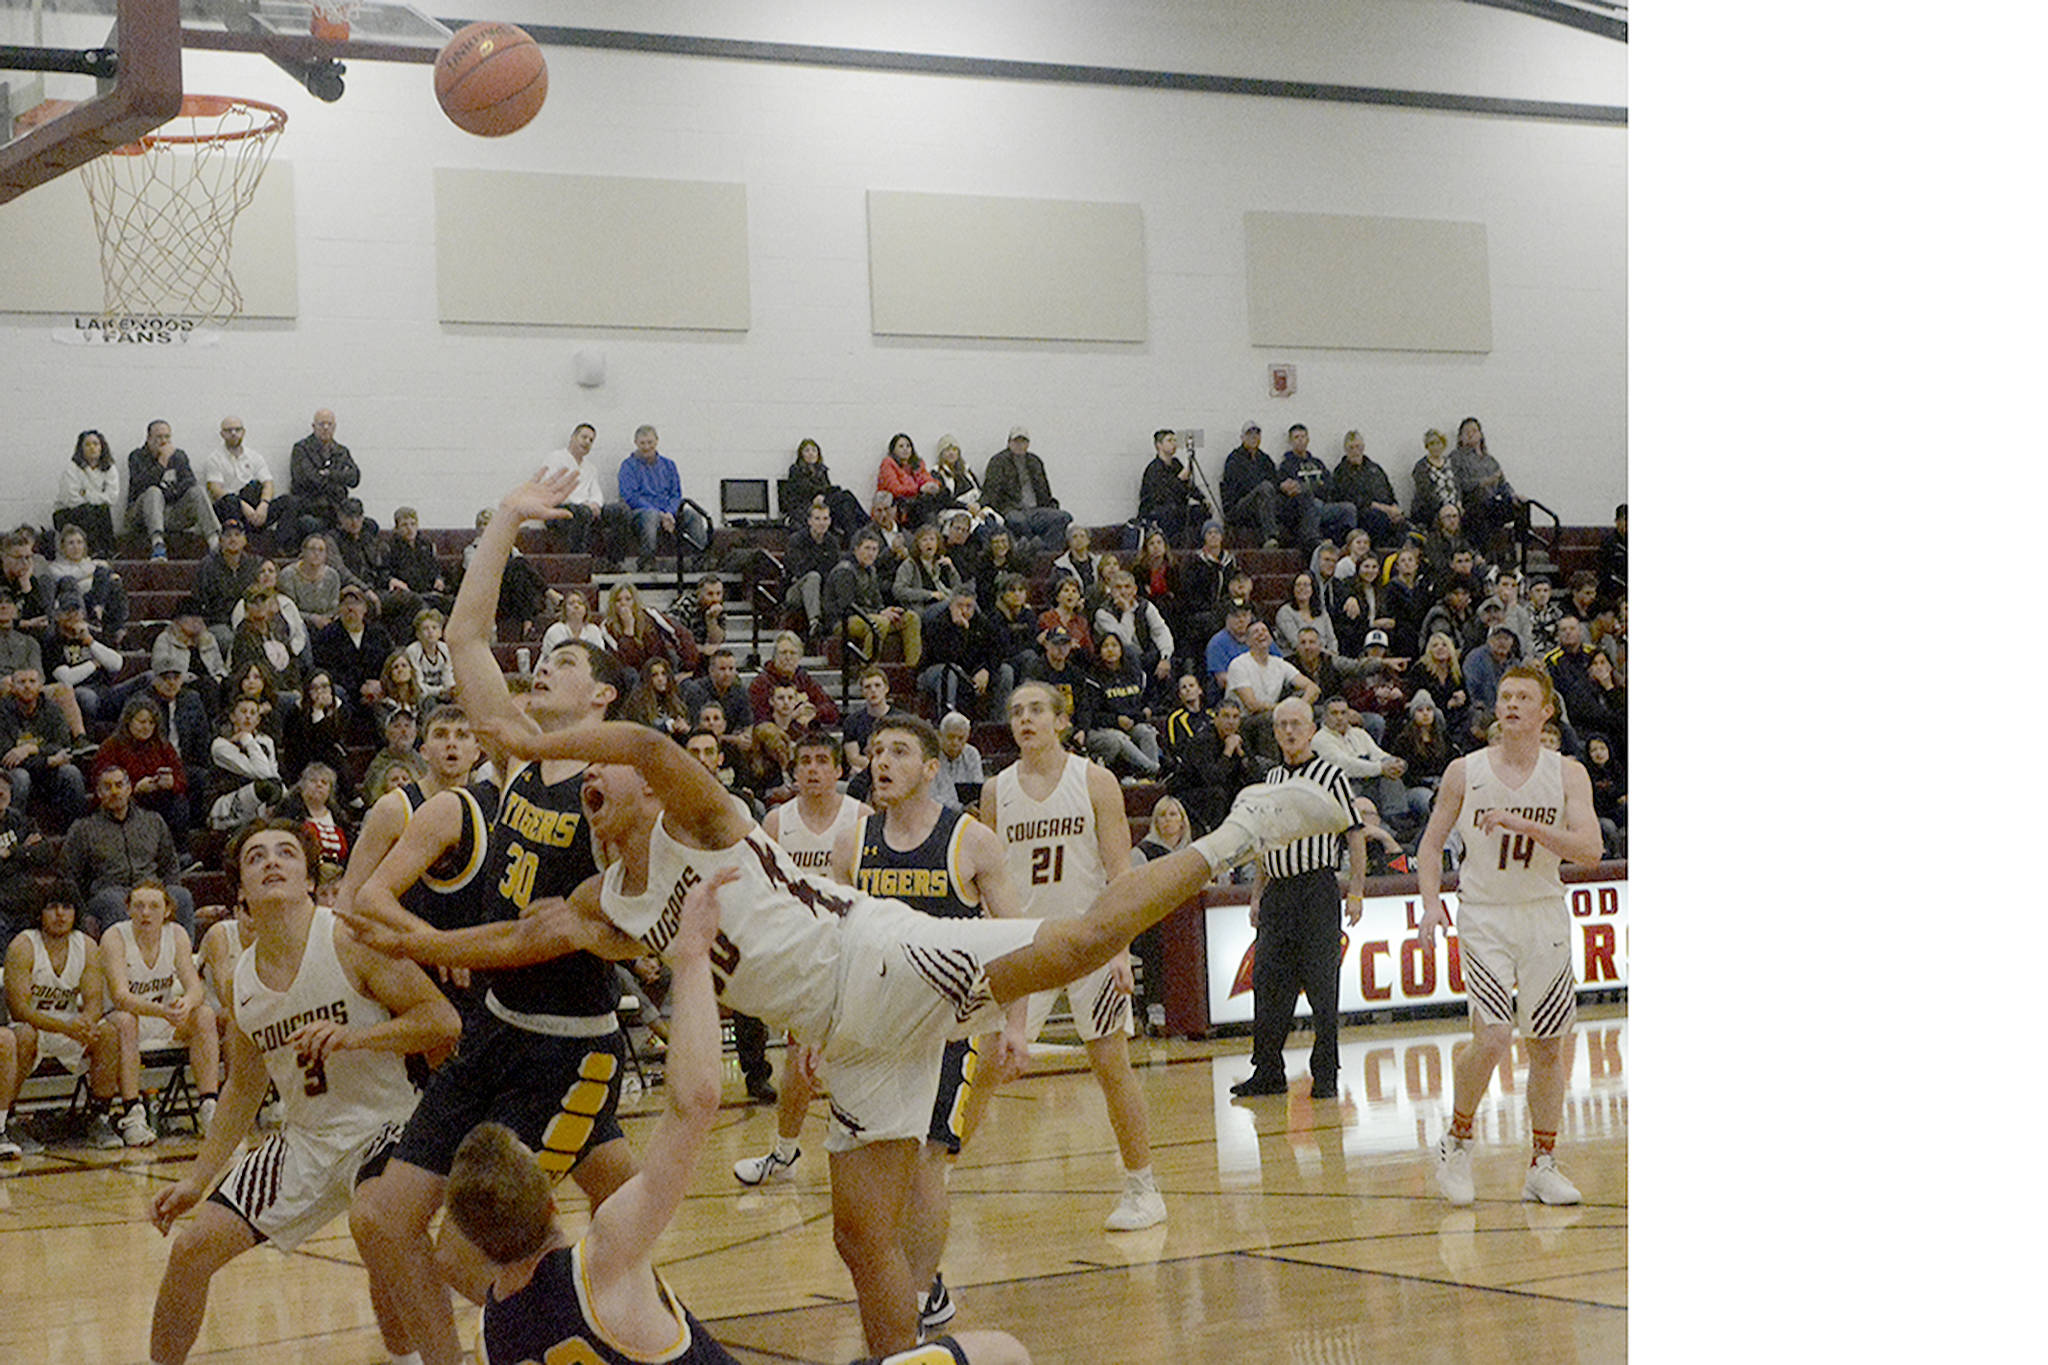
point(653, 492)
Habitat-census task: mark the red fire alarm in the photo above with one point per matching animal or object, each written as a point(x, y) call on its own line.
point(1280, 381)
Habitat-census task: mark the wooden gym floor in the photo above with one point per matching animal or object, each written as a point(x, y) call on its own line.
point(1298, 1230)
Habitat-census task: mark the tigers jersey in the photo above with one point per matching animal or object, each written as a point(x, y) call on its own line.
point(810, 849)
point(336, 1102)
point(778, 947)
point(1504, 868)
point(450, 893)
point(539, 848)
point(1052, 845)
point(553, 1318)
point(925, 878)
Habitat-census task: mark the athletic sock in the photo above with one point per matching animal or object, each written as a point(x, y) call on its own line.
point(1545, 1144)
point(785, 1148)
point(1142, 1178)
point(1461, 1126)
point(1225, 846)
point(409, 1358)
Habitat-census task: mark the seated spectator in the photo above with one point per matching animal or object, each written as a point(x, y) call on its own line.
point(36, 747)
point(1438, 668)
point(861, 721)
point(1158, 580)
point(1609, 635)
point(709, 746)
point(961, 775)
point(926, 579)
point(313, 583)
point(1148, 640)
point(251, 683)
point(1257, 498)
point(155, 769)
point(1485, 665)
point(963, 493)
point(1014, 483)
point(1058, 668)
point(352, 649)
point(106, 596)
point(1078, 561)
point(411, 565)
point(310, 803)
point(807, 481)
point(185, 728)
point(27, 580)
point(1334, 673)
point(1216, 765)
point(855, 598)
point(1205, 579)
point(1359, 480)
point(72, 656)
point(1407, 600)
point(1454, 614)
point(399, 688)
point(1302, 610)
point(1443, 542)
point(238, 480)
point(1167, 496)
point(1570, 666)
point(431, 662)
point(573, 622)
point(652, 492)
point(56, 987)
point(1184, 722)
point(164, 494)
point(1375, 774)
point(1386, 686)
point(1434, 481)
point(585, 503)
point(658, 702)
point(399, 761)
point(1601, 702)
point(1610, 794)
point(1015, 624)
point(1359, 607)
point(813, 550)
point(1495, 509)
point(963, 666)
point(790, 712)
point(1069, 614)
point(1514, 612)
point(998, 561)
point(1582, 599)
point(247, 780)
point(1544, 614)
point(117, 846)
point(785, 665)
point(317, 731)
point(903, 476)
point(1261, 680)
point(152, 975)
point(765, 770)
point(356, 547)
point(1301, 466)
point(1360, 559)
point(227, 572)
point(87, 491)
point(324, 472)
point(187, 646)
point(1121, 735)
point(1227, 644)
point(23, 853)
point(1423, 742)
point(957, 542)
point(262, 641)
point(287, 625)
point(18, 649)
point(721, 683)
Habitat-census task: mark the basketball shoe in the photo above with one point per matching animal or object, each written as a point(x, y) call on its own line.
point(755, 1169)
point(1266, 814)
point(1454, 1171)
point(1141, 1206)
point(935, 1307)
point(1546, 1183)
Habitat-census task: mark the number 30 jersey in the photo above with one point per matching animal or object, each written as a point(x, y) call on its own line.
point(340, 1101)
point(1052, 846)
point(1504, 868)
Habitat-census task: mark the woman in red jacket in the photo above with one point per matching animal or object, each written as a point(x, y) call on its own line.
point(152, 763)
point(905, 478)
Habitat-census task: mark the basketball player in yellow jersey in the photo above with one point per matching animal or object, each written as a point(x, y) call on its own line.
point(1521, 809)
point(1061, 820)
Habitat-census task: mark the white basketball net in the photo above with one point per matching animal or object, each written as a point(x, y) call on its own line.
point(165, 208)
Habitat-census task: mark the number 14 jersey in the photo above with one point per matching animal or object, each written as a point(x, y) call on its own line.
point(1503, 868)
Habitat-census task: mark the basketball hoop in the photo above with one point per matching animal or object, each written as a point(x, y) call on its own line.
point(165, 206)
point(330, 19)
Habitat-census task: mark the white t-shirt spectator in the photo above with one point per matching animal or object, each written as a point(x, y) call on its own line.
point(1267, 684)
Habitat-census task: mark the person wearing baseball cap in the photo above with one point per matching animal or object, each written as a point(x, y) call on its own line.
point(1484, 666)
point(1015, 485)
point(1251, 492)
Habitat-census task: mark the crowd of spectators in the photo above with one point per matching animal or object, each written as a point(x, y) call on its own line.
point(302, 666)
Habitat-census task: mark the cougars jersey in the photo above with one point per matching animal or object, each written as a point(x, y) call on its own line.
point(539, 848)
point(1052, 846)
point(338, 1101)
point(808, 849)
point(1504, 868)
point(155, 981)
point(925, 878)
point(553, 1319)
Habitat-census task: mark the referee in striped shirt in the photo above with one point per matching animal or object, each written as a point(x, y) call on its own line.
point(1295, 908)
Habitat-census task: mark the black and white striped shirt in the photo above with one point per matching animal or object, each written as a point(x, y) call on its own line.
point(1318, 851)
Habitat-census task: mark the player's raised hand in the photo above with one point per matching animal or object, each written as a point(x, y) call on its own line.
point(698, 926)
point(512, 732)
point(541, 497)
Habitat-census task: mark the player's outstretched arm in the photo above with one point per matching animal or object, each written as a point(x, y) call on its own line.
point(693, 803)
point(381, 831)
point(241, 1096)
point(1429, 875)
point(421, 1019)
point(482, 686)
point(549, 929)
point(624, 1228)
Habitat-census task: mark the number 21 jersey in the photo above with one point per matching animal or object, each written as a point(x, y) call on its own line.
point(1052, 846)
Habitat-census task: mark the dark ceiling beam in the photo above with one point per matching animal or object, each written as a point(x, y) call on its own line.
point(1572, 16)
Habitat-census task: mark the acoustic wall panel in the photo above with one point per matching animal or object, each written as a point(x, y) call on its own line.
point(52, 250)
point(952, 265)
point(1370, 284)
point(590, 251)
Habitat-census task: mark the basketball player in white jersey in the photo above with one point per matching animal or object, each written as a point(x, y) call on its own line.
point(807, 829)
point(218, 952)
point(1061, 819)
point(1521, 809)
point(55, 986)
point(329, 1023)
point(151, 974)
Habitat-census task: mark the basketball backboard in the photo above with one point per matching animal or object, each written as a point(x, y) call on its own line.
point(79, 78)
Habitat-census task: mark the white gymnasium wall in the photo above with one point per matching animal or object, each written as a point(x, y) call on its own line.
point(443, 415)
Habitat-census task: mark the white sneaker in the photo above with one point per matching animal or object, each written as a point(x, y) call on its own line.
point(135, 1129)
point(100, 1134)
point(206, 1108)
point(10, 1150)
point(1141, 1207)
point(756, 1169)
point(1454, 1171)
point(1273, 813)
point(1547, 1184)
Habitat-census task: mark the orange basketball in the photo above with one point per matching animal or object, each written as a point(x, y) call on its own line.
point(491, 79)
